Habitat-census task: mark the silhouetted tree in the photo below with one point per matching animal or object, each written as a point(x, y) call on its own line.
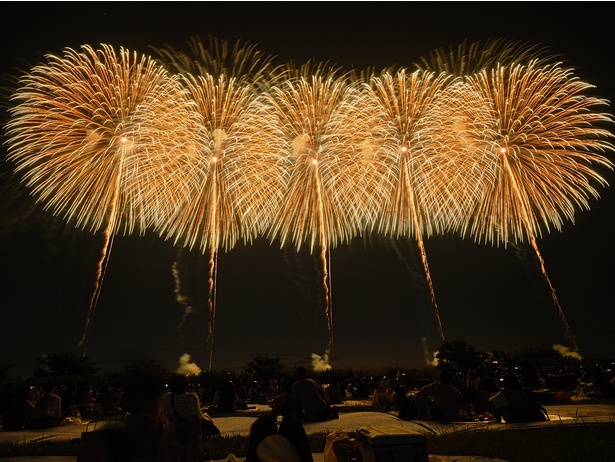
point(459, 356)
point(545, 356)
point(4, 372)
point(265, 368)
point(65, 364)
point(146, 372)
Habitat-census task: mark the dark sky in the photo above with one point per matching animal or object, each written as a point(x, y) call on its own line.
point(268, 299)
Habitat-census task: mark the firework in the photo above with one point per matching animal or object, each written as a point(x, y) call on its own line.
point(494, 141)
point(99, 137)
point(548, 138)
point(237, 188)
point(471, 57)
point(326, 140)
point(426, 157)
point(403, 100)
point(96, 130)
point(243, 62)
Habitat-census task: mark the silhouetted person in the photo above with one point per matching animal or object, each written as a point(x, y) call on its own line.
point(262, 427)
point(149, 435)
point(308, 399)
point(529, 377)
point(107, 400)
point(333, 394)
point(7, 396)
point(281, 404)
point(440, 400)
point(226, 396)
point(487, 387)
point(511, 403)
point(292, 428)
point(67, 395)
point(602, 387)
point(183, 408)
point(19, 411)
point(86, 402)
point(47, 411)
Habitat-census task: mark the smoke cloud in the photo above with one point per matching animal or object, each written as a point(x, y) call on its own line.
point(321, 363)
point(565, 351)
point(186, 367)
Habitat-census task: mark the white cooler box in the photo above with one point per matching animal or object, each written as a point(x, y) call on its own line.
point(391, 444)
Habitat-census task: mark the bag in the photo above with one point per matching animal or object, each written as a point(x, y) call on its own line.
point(208, 428)
point(539, 413)
point(93, 446)
point(101, 445)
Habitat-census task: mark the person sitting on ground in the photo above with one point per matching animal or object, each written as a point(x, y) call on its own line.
point(183, 409)
point(107, 400)
point(225, 397)
point(281, 404)
point(441, 401)
point(47, 410)
point(308, 399)
point(19, 411)
point(85, 401)
point(333, 393)
point(262, 427)
point(148, 435)
point(487, 387)
point(602, 387)
point(511, 403)
point(292, 428)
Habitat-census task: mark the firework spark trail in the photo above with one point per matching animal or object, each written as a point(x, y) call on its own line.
point(244, 62)
point(329, 183)
point(97, 134)
point(238, 186)
point(101, 269)
point(546, 140)
point(402, 100)
point(325, 259)
point(471, 57)
point(532, 238)
point(212, 302)
point(501, 146)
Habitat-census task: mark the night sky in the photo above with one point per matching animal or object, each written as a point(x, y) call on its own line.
point(268, 298)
